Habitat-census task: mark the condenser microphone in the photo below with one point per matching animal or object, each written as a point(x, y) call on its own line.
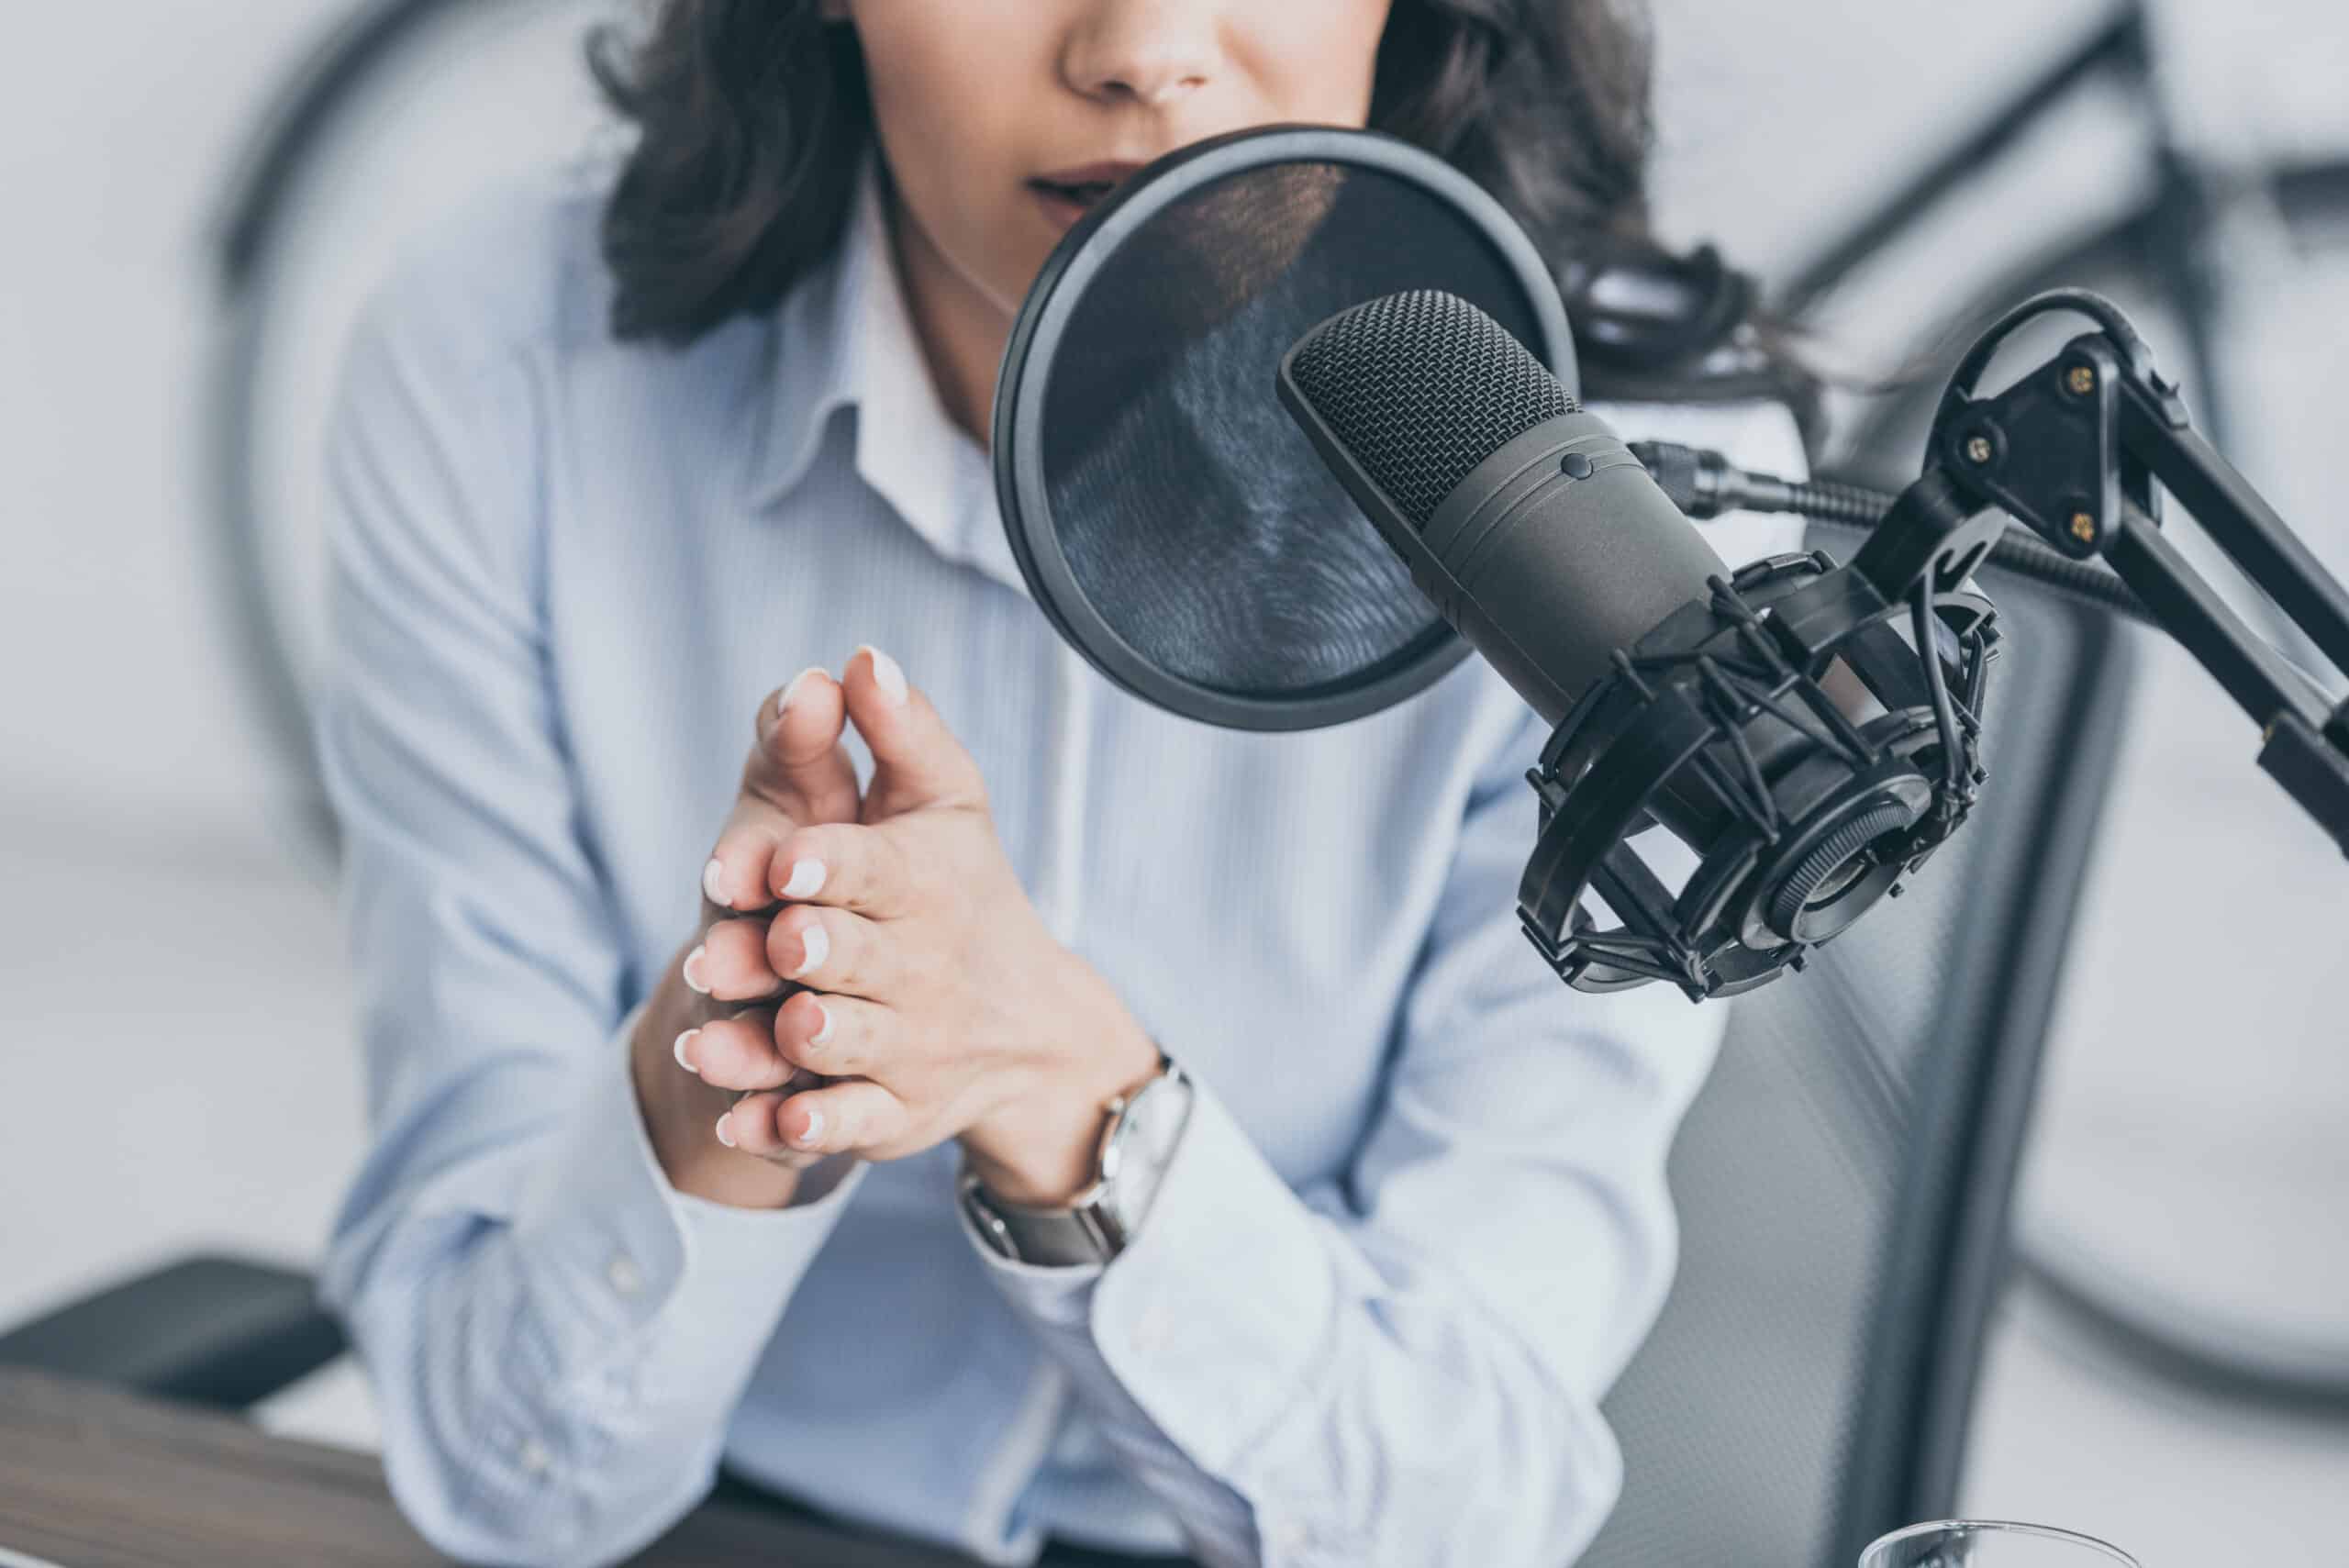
point(1780, 724)
point(1533, 530)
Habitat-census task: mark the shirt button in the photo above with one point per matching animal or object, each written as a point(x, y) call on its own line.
point(535, 1460)
point(625, 1276)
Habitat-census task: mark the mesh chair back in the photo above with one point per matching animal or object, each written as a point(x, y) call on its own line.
point(1842, 1180)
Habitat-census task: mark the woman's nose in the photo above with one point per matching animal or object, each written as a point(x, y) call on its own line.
point(1152, 52)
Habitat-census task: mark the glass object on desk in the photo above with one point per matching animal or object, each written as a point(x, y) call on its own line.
point(1989, 1544)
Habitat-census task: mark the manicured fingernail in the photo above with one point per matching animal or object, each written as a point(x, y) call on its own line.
point(692, 970)
point(816, 944)
point(725, 1133)
point(886, 671)
point(821, 1035)
point(806, 876)
point(713, 881)
point(679, 1049)
point(791, 689)
point(815, 1129)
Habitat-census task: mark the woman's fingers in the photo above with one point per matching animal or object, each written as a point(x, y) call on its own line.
point(835, 1035)
point(844, 1116)
point(749, 1126)
point(739, 1052)
point(742, 864)
point(916, 761)
point(798, 772)
point(731, 962)
point(734, 878)
point(845, 864)
point(831, 950)
point(797, 761)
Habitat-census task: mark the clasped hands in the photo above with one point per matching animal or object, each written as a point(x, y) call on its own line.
point(872, 979)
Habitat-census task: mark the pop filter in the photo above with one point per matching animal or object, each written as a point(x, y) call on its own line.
point(1169, 518)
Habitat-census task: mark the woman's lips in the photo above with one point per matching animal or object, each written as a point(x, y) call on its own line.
point(1061, 210)
point(1067, 194)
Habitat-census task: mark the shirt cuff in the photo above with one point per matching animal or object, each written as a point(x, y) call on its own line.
point(1216, 1314)
point(614, 1255)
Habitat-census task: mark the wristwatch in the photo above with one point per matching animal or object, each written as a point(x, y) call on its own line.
point(1138, 1143)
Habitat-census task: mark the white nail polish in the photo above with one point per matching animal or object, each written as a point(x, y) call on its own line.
point(821, 1035)
point(679, 1050)
point(815, 1129)
point(806, 878)
point(886, 672)
point(713, 881)
point(725, 1133)
point(791, 689)
point(691, 969)
point(818, 942)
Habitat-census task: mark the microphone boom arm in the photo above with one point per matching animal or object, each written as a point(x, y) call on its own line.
point(2071, 451)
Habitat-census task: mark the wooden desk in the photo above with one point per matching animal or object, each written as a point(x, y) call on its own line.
point(93, 1478)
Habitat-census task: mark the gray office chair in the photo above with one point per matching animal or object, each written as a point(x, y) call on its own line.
point(1842, 1180)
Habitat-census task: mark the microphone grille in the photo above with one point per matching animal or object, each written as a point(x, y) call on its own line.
point(1420, 387)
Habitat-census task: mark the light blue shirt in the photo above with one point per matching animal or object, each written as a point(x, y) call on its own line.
point(1416, 1223)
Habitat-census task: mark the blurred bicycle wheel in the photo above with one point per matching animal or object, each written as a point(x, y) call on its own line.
point(401, 114)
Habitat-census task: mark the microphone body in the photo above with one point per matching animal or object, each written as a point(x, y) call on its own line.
point(1558, 550)
point(1675, 697)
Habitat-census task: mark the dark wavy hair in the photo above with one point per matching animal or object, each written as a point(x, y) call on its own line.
point(752, 114)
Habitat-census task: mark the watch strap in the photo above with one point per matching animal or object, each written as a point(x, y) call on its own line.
point(1101, 1221)
point(1053, 1237)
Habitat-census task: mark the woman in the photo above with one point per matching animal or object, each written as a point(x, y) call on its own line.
point(701, 1093)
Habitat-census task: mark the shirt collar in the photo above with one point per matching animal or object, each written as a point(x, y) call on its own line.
point(846, 338)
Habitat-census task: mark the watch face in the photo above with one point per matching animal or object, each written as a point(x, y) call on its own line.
point(1158, 1114)
point(1145, 1143)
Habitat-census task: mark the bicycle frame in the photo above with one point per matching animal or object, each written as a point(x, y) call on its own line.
point(2181, 208)
point(2122, 43)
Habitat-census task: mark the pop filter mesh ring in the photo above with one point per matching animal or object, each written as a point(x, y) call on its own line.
point(1023, 384)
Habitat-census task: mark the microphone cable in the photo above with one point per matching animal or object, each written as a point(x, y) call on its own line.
point(1705, 485)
